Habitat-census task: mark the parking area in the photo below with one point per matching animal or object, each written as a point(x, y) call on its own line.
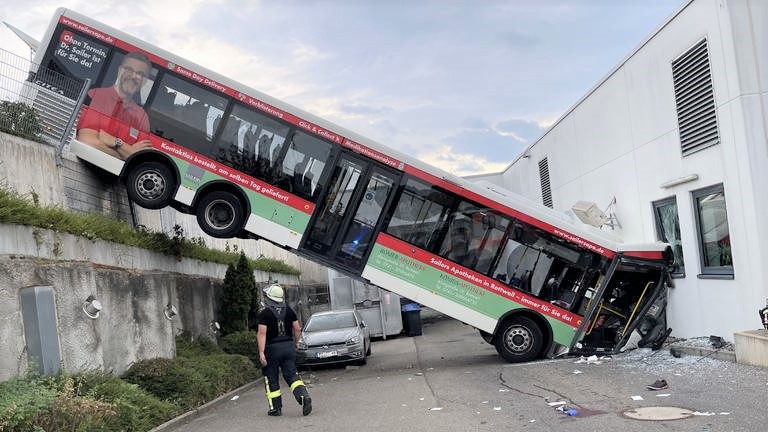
point(449, 379)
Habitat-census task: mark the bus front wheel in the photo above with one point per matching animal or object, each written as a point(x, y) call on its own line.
point(150, 185)
point(220, 214)
point(520, 339)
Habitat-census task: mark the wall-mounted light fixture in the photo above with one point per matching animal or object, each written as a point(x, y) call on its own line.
point(215, 327)
point(679, 181)
point(92, 307)
point(170, 311)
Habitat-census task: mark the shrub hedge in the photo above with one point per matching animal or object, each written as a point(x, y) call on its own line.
point(148, 394)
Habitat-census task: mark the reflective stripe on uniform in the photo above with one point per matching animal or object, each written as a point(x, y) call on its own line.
point(296, 384)
point(271, 394)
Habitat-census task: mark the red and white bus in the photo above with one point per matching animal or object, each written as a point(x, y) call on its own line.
point(530, 280)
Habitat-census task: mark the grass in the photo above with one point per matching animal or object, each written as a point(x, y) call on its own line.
point(25, 210)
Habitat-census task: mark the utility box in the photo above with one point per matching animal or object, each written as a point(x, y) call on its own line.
point(379, 308)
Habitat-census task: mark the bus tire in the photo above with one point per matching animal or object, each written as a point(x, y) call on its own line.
point(519, 340)
point(220, 214)
point(151, 185)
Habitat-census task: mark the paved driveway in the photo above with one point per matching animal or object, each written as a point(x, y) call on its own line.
point(449, 379)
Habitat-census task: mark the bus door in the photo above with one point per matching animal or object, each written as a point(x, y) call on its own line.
point(359, 191)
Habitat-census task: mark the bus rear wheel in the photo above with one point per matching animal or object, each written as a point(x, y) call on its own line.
point(150, 185)
point(520, 340)
point(220, 214)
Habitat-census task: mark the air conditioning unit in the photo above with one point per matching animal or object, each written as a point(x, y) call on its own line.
point(589, 213)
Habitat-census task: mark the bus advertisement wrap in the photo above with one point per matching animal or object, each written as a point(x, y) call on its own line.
point(463, 286)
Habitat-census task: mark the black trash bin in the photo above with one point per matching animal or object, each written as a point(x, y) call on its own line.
point(412, 319)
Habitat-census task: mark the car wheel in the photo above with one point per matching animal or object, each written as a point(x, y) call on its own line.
point(220, 214)
point(151, 185)
point(368, 351)
point(520, 340)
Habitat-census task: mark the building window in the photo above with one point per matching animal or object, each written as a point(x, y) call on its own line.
point(695, 100)
point(546, 191)
point(714, 235)
point(668, 231)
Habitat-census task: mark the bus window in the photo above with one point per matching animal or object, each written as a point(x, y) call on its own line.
point(110, 78)
point(420, 213)
point(185, 113)
point(248, 140)
point(490, 227)
point(303, 165)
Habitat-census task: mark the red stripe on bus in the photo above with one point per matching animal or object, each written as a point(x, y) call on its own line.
point(479, 280)
point(651, 255)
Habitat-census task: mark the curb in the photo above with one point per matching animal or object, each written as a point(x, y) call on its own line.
point(721, 354)
point(203, 409)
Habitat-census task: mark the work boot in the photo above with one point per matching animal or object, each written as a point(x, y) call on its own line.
point(306, 405)
point(275, 413)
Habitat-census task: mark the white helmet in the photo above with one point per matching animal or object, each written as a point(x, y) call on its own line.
point(274, 292)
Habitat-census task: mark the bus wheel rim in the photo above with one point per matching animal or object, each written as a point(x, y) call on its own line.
point(150, 185)
point(220, 214)
point(518, 339)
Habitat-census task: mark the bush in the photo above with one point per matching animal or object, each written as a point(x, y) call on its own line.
point(223, 372)
point(167, 380)
point(189, 346)
point(20, 119)
point(21, 401)
point(243, 343)
point(136, 409)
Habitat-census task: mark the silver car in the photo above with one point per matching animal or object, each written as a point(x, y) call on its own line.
point(334, 337)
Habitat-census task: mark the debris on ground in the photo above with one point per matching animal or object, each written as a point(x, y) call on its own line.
point(658, 385)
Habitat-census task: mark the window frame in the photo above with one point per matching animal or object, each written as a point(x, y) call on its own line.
point(679, 271)
point(708, 271)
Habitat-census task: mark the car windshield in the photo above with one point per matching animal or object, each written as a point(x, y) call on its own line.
point(331, 321)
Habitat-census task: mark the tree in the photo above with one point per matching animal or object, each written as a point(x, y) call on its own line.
point(239, 289)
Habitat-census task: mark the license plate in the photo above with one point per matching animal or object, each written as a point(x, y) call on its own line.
point(326, 354)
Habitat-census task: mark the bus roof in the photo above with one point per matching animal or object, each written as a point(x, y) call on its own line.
point(485, 193)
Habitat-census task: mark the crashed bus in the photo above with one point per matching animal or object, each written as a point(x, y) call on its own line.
point(532, 281)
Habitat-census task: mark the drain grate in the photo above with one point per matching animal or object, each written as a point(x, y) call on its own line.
point(658, 413)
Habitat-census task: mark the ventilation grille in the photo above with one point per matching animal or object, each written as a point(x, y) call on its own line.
point(546, 191)
point(695, 100)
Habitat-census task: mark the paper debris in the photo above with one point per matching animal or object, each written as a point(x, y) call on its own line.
point(503, 390)
point(418, 374)
point(663, 395)
point(725, 413)
point(485, 402)
point(556, 403)
point(421, 398)
point(497, 408)
point(436, 409)
point(637, 398)
point(697, 413)
point(403, 405)
point(576, 372)
point(532, 420)
point(235, 397)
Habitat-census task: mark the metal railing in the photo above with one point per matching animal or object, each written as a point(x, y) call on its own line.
point(37, 103)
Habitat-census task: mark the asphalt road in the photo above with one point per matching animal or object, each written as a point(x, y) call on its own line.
point(449, 379)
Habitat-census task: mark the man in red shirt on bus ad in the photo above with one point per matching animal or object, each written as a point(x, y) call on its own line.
point(113, 122)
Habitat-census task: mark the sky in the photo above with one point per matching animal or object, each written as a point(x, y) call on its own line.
point(465, 85)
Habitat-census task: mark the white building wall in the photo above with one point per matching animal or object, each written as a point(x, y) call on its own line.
point(621, 140)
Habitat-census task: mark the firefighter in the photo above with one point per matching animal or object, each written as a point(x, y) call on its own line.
point(278, 334)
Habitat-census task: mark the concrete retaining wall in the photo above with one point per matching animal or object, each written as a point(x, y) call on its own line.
point(133, 286)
